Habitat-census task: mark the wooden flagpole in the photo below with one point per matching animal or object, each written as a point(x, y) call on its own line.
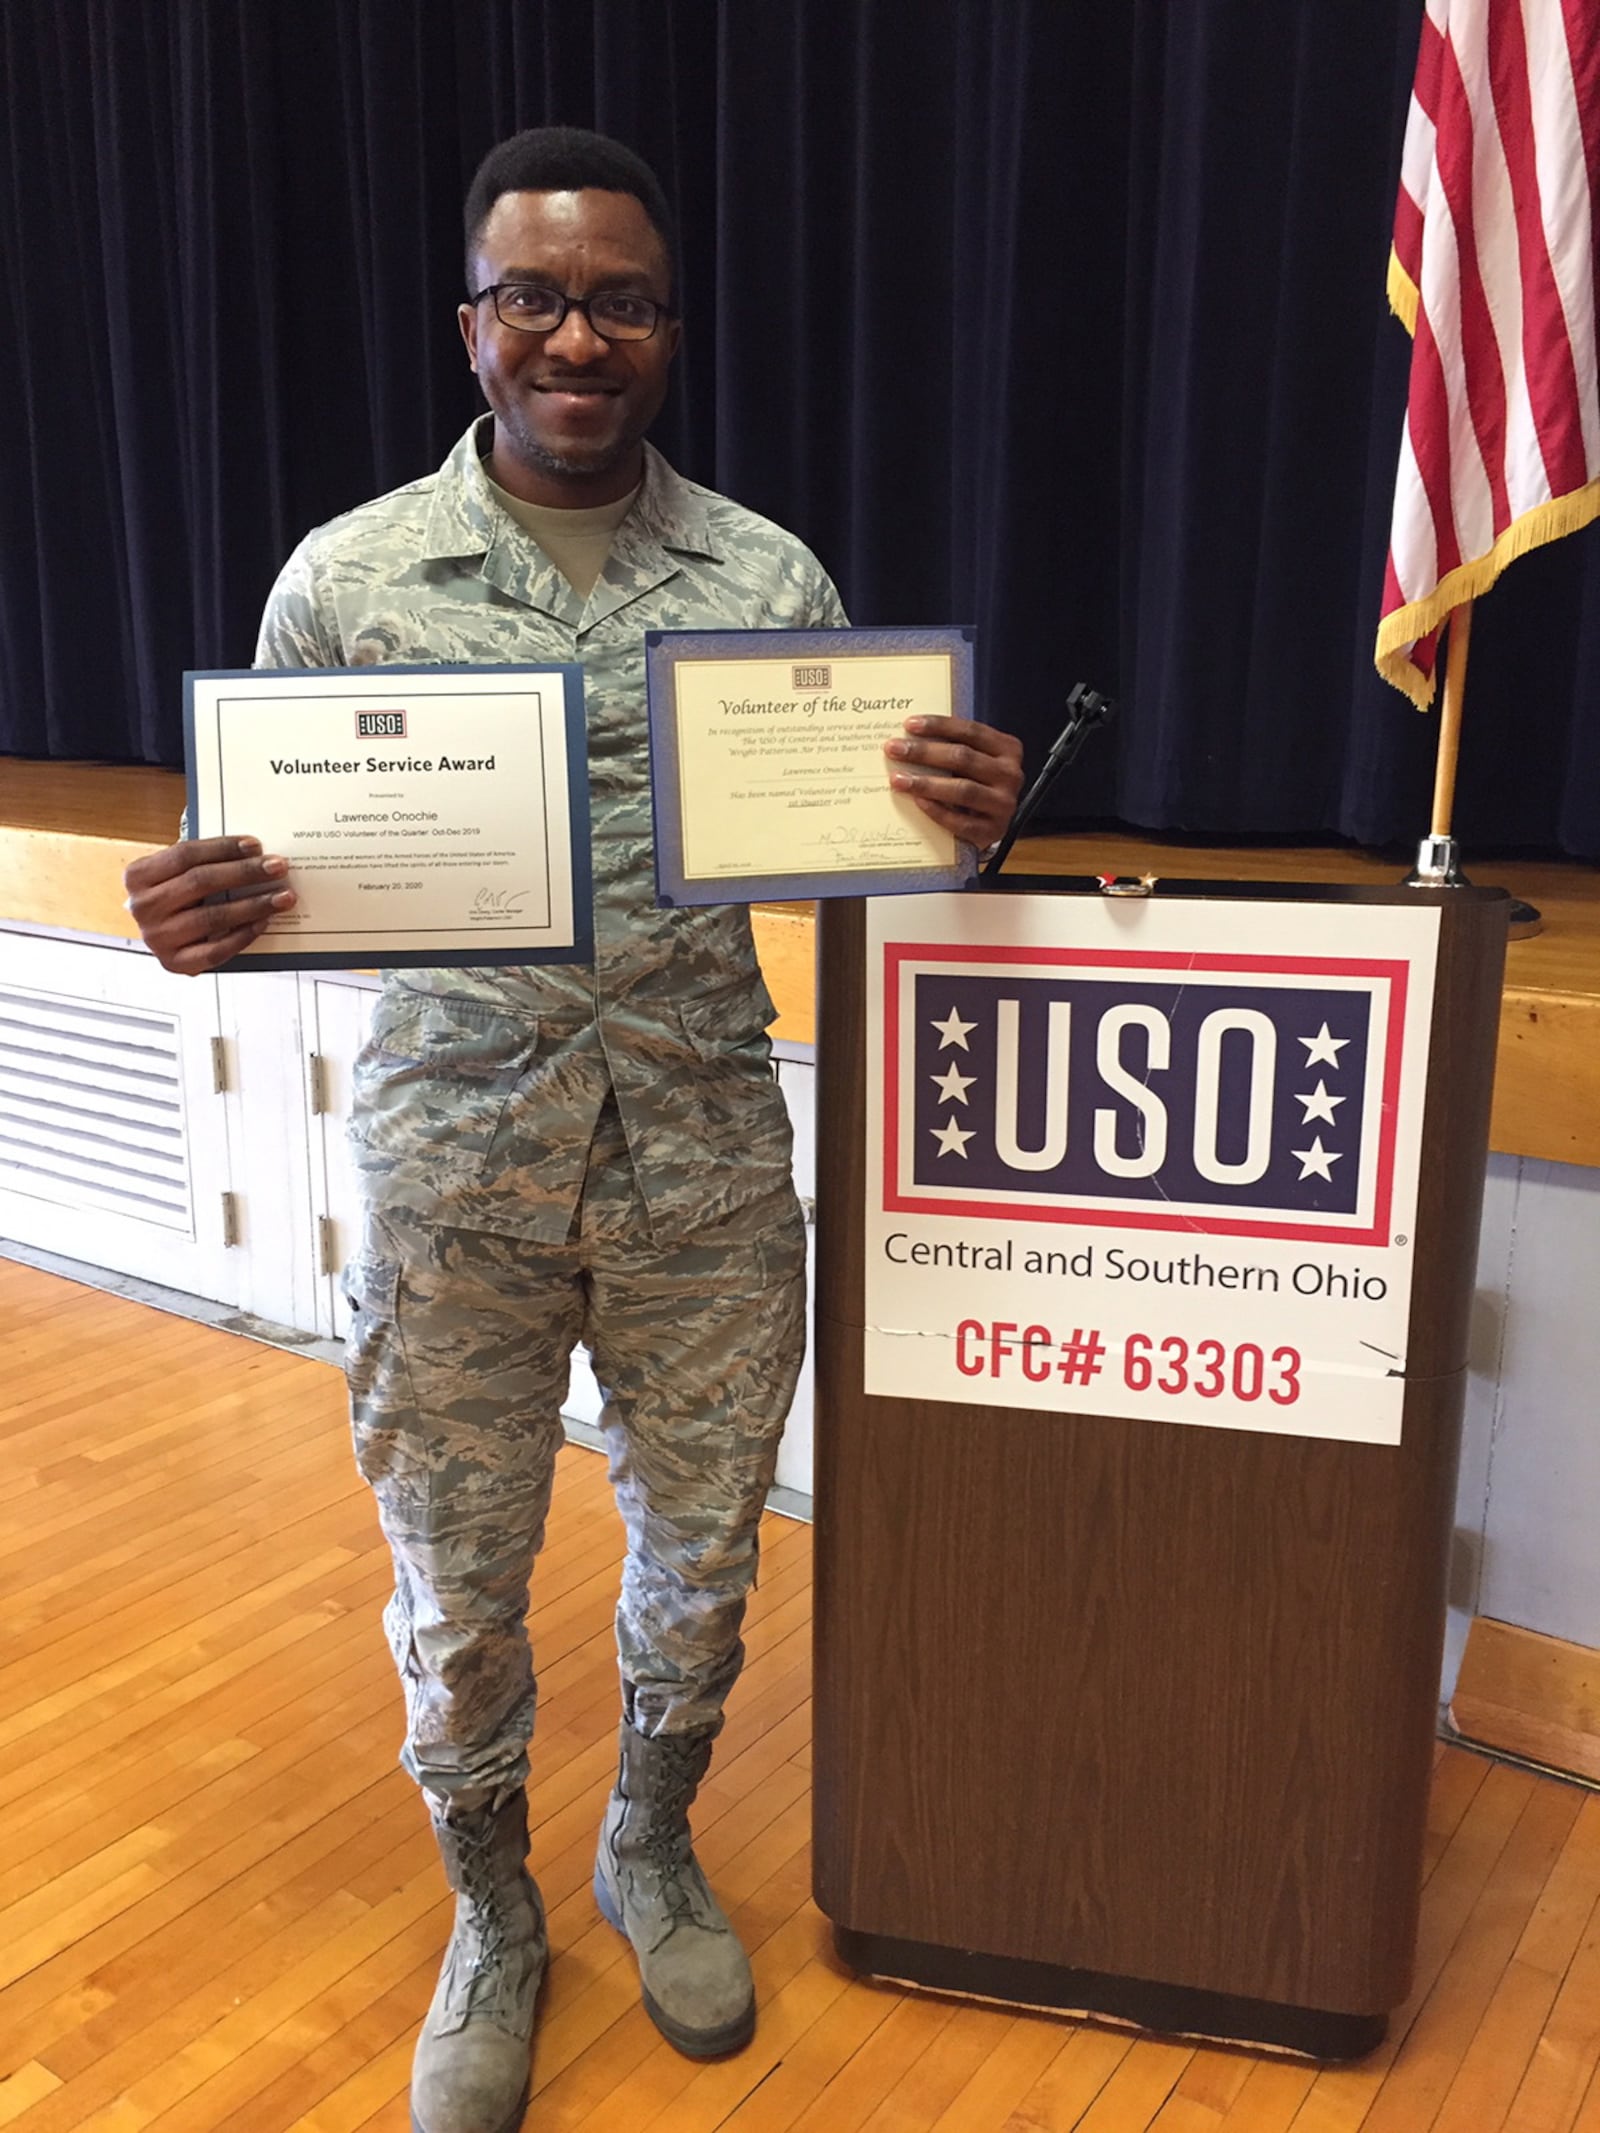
point(1455, 689)
point(1436, 862)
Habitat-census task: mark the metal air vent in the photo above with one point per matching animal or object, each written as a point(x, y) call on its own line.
point(92, 1107)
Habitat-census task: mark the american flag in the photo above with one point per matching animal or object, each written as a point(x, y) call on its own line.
point(1494, 272)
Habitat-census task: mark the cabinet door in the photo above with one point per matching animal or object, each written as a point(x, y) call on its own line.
point(113, 1141)
point(269, 1135)
point(797, 1078)
point(335, 1013)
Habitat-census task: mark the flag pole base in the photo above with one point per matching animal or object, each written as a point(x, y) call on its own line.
point(1439, 867)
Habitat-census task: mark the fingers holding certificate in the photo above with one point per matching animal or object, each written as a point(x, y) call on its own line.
point(767, 752)
point(428, 815)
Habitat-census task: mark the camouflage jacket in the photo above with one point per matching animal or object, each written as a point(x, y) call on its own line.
point(478, 1090)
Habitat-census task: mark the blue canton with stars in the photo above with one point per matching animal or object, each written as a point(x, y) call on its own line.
point(1313, 1148)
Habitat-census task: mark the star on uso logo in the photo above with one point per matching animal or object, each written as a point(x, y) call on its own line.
point(1253, 1095)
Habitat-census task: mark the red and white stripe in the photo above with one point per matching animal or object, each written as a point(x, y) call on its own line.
point(1494, 271)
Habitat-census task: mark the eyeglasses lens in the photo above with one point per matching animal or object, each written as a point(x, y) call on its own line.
point(532, 309)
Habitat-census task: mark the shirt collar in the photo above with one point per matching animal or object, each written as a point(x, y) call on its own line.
point(465, 520)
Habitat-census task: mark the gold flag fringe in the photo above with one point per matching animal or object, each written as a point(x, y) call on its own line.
point(1404, 298)
point(1399, 631)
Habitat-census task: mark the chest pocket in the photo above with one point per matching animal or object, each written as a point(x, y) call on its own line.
point(436, 1074)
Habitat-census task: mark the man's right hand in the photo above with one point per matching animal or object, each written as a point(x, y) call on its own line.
point(167, 894)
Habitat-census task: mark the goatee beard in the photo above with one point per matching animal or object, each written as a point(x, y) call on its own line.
point(578, 463)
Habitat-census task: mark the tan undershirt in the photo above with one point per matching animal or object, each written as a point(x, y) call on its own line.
point(577, 542)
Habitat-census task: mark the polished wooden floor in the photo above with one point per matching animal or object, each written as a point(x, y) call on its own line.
point(220, 1909)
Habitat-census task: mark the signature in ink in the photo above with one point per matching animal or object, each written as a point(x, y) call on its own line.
point(499, 903)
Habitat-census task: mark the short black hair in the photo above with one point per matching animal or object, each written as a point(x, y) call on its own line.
point(562, 159)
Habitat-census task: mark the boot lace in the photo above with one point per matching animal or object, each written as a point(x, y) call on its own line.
point(664, 1841)
point(483, 1892)
point(486, 1959)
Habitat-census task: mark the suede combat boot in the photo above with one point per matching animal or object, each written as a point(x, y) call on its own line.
point(470, 2073)
point(696, 1981)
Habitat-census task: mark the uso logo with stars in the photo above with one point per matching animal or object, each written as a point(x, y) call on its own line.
point(1251, 1095)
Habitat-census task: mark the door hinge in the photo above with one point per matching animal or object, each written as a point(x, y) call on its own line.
point(328, 1244)
point(219, 1066)
point(317, 1083)
point(230, 1218)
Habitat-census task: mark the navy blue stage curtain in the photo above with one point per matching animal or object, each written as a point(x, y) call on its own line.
point(1064, 319)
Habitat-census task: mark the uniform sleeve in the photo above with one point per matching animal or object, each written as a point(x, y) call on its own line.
point(825, 610)
point(299, 628)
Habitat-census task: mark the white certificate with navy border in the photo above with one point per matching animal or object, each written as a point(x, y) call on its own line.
point(767, 764)
point(429, 815)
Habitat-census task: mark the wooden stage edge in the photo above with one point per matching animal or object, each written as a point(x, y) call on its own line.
point(68, 829)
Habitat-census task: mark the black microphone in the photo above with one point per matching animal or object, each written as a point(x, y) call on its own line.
point(1087, 710)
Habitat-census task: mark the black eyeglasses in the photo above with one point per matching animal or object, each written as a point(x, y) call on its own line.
point(529, 307)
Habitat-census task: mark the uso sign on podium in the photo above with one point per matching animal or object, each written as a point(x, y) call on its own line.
point(1142, 1311)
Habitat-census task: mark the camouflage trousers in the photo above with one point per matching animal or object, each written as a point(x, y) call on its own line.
point(458, 1357)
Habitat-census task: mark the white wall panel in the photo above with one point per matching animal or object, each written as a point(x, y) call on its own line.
point(1541, 1560)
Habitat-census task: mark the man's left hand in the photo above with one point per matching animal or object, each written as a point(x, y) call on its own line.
point(965, 776)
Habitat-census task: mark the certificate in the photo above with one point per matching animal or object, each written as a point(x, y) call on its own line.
point(766, 756)
point(428, 814)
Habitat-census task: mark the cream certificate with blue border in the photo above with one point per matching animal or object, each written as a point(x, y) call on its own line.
point(767, 760)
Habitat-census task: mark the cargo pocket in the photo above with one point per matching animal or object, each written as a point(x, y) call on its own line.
point(435, 1076)
point(385, 1425)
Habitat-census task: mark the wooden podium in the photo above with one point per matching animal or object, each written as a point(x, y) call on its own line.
point(1119, 1717)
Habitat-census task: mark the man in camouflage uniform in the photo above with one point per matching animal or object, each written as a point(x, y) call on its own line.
point(565, 1154)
